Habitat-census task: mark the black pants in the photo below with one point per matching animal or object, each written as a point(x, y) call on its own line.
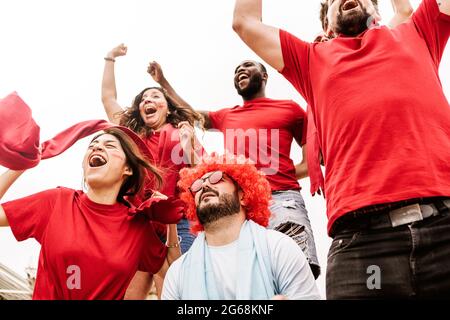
point(409, 261)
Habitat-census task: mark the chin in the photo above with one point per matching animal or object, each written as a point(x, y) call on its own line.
point(208, 202)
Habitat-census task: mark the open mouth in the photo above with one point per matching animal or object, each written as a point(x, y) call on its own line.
point(349, 5)
point(150, 110)
point(96, 161)
point(242, 77)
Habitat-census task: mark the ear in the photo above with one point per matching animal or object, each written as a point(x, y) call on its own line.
point(241, 198)
point(329, 33)
point(265, 76)
point(377, 17)
point(128, 171)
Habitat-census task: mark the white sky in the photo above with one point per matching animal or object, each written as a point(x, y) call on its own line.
point(52, 54)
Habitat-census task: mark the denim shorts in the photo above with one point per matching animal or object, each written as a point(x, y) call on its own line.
point(289, 216)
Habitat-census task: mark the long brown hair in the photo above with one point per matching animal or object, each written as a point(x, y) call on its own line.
point(137, 162)
point(132, 119)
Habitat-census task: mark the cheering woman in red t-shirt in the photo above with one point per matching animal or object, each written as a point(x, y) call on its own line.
point(92, 244)
point(165, 122)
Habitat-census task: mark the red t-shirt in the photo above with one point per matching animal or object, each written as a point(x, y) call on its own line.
point(262, 130)
point(382, 118)
point(168, 155)
point(89, 250)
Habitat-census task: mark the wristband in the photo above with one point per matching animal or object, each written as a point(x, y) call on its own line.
point(110, 59)
point(174, 245)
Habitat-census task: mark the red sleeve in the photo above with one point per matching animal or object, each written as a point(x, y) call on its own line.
point(154, 252)
point(300, 126)
point(296, 63)
point(216, 118)
point(28, 217)
point(433, 26)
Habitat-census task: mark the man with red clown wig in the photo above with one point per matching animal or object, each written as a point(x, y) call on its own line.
point(234, 256)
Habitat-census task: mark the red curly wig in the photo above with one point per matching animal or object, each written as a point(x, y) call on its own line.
point(255, 187)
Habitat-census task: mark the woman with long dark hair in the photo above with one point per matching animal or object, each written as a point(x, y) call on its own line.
point(165, 122)
point(92, 242)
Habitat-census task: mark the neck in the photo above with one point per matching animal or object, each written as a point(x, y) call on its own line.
point(259, 94)
point(158, 127)
point(102, 196)
point(225, 230)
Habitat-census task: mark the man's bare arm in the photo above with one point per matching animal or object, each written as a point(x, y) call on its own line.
point(301, 169)
point(444, 6)
point(402, 10)
point(155, 70)
point(264, 40)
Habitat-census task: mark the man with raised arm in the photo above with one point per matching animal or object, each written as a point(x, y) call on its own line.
point(383, 123)
point(267, 140)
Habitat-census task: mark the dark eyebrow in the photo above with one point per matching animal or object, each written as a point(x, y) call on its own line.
point(107, 141)
point(244, 64)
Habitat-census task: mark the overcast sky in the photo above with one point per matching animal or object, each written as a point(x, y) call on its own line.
point(52, 54)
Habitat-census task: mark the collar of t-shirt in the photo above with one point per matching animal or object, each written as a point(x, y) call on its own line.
point(117, 209)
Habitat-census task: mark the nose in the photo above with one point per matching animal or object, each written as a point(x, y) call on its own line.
point(97, 146)
point(239, 69)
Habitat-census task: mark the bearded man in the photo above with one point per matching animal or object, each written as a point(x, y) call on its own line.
point(383, 123)
point(234, 257)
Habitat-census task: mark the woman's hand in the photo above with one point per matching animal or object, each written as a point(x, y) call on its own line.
point(120, 50)
point(159, 195)
point(186, 134)
point(192, 148)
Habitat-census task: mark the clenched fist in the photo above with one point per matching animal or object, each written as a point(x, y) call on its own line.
point(154, 69)
point(118, 51)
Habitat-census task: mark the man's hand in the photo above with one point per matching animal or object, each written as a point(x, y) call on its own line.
point(120, 50)
point(155, 70)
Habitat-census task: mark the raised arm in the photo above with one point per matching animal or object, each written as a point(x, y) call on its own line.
point(155, 70)
point(444, 6)
point(109, 92)
point(403, 11)
point(264, 40)
point(6, 180)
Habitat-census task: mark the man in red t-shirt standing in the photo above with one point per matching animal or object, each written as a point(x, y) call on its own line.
point(262, 130)
point(385, 141)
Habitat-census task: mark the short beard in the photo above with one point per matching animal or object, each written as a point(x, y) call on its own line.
point(353, 25)
point(228, 205)
point(253, 87)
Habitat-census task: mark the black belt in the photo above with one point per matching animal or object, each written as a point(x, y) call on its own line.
point(391, 215)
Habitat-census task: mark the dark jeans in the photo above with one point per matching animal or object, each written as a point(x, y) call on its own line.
point(409, 261)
